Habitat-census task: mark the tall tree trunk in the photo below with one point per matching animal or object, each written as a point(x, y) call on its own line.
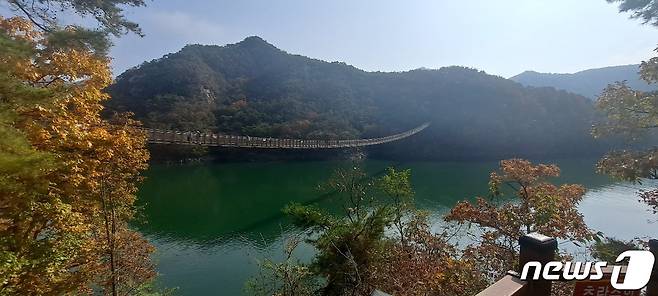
point(110, 233)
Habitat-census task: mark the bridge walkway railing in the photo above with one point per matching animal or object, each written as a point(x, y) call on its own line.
point(213, 139)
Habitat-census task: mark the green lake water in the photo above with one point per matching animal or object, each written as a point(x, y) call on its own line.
point(212, 222)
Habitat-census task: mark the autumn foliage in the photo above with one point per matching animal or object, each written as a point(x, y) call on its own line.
point(425, 263)
point(539, 206)
point(357, 255)
point(67, 177)
point(382, 242)
point(632, 115)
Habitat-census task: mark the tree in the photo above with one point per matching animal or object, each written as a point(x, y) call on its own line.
point(356, 255)
point(607, 250)
point(345, 245)
point(396, 185)
point(63, 225)
point(287, 278)
point(632, 114)
point(646, 10)
point(539, 206)
point(107, 13)
point(425, 263)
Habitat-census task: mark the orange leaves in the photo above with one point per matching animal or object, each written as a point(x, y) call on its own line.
point(239, 104)
point(427, 264)
point(524, 172)
point(539, 206)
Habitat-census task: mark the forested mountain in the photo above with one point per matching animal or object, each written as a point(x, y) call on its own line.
point(253, 88)
point(589, 83)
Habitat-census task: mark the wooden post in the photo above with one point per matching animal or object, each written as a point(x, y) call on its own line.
point(540, 248)
point(652, 286)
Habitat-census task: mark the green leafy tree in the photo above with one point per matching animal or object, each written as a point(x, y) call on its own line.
point(108, 14)
point(356, 253)
point(346, 246)
point(396, 185)
point(289, 277)
point(646, 10)
point(609, 248)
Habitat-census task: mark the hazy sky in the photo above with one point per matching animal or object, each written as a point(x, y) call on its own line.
point(502, 37)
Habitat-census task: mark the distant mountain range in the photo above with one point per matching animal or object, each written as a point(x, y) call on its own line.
point(589, 83)
point(254, 88)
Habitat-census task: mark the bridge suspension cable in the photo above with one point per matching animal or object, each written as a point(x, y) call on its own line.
point(158, 136)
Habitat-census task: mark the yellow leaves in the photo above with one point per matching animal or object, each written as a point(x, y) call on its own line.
point(20, 28)
point(74, 71)
point(78, 68)
point(93, 177)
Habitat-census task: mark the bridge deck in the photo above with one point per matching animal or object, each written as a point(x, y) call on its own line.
point(217, 140)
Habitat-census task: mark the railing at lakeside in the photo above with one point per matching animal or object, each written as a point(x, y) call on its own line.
point(543, 251)
point(535, 248)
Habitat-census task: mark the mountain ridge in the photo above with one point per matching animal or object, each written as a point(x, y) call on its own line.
point(589, 83)
point(254, 88)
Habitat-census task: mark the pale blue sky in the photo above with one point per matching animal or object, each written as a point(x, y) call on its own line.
point(502, 37)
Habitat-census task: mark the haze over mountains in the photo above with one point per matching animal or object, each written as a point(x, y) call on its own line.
point(589, 83)
point(254, 88)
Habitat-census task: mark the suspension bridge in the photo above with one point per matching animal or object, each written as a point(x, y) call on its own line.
point(158, 136)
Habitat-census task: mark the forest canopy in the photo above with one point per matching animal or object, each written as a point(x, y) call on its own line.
point(253, 88)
